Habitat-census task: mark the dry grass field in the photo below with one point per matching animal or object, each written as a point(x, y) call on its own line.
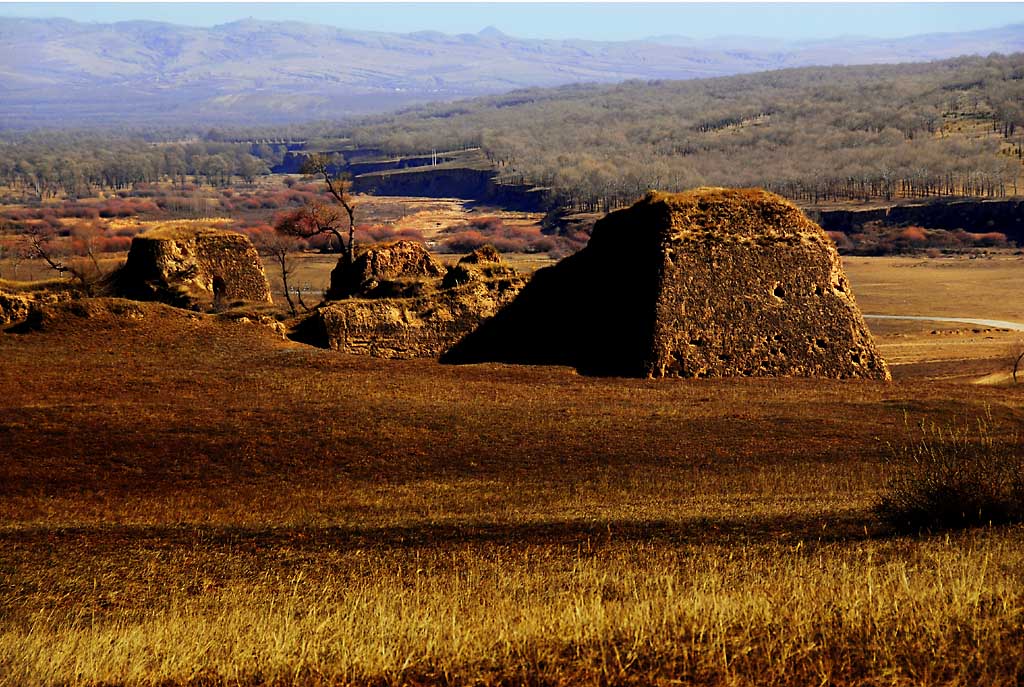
point(188, 500)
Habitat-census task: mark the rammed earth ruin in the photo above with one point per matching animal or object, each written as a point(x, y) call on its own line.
point(193, 266)
point(711, 282)
point(403, 304)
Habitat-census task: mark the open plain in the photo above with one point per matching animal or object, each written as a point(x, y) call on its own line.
point(189, 499)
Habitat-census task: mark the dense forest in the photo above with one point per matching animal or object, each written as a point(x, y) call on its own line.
point(816, 134)
point(44, 165)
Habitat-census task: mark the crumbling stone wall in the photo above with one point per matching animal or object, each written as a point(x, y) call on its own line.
point(406, 308)
point(193, 267)
point(15, 306)
point(385, 270)
point(713, 282)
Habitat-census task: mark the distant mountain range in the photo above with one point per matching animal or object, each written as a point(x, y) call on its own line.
point(61, 72)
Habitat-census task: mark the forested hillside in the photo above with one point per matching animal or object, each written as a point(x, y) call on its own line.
point(817, 134)
point(941, 128)
point(58, 72)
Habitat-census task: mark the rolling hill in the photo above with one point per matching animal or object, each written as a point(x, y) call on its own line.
point(58, 72)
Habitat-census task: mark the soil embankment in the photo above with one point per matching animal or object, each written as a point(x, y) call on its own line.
point(1005, 216)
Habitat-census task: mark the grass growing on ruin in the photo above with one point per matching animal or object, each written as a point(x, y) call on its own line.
point(188, 500)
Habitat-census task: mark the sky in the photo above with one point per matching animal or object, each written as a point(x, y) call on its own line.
point(597, 21)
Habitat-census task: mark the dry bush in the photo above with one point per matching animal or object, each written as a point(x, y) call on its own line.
point(914, 234)
point(367, 234)
point(955, 476)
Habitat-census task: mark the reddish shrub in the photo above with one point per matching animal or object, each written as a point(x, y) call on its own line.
point(991, 239)
point(112, 244)
point(22, 214)
point(382, 233)
point(79, 210)
point(464, 241)
point(841, 240)
point(545, 244)
point(322, 242)
point(914, 234)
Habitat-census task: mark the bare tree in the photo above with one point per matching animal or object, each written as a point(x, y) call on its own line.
point(314, 219)
point(85, 269)
point(339, 186)
point(280, 247)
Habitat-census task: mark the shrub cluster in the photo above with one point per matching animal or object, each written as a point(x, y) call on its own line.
point(493, 231)
point(878, 239)
point(955, 476)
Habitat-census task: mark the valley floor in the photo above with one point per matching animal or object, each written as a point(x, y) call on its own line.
point(190, 500)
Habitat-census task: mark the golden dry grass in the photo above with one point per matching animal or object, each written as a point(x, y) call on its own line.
point(188, 500)
point(936, 612)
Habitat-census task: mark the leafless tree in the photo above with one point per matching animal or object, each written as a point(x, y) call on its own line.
point(85, 270)
point(313, 219)
point(281, 248)
point(339, 186)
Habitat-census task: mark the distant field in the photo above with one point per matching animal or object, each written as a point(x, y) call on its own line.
point(187, 500)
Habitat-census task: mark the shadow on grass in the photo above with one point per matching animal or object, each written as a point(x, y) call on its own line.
point(846, 527)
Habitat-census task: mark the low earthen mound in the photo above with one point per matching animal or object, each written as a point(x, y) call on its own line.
point(713, 282)
point(392, 269)
point(422, 325)
point(18, 298)
point(86, 313)
point(193, 267)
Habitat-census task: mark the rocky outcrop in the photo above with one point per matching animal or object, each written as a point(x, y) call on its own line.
point(193, 266)
point(425, 324)
point(713, 282)
point(393, 269)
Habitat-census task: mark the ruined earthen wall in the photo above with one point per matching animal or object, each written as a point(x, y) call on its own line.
point(373, 270)
point(180, 266)
point(780, 309)
point(419, 327)
point(714, 282)
point(16, 306)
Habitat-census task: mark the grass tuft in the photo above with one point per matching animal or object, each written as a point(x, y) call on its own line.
point(954, 476)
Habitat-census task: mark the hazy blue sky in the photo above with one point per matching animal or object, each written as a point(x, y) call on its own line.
point(603, 21)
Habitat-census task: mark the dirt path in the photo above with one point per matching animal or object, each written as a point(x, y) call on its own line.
point(1001, 324)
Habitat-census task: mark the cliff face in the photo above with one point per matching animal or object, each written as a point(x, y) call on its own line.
point(451, 182)
point(1005, 216)
point(713, 282)
point(193, 267)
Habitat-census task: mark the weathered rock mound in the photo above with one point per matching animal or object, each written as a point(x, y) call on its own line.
point(424, 324)
point(17, 300)
point(194, 268)
point(394, 269)
point(713, 282)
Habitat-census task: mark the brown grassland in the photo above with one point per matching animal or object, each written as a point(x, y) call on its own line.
point(186, 499)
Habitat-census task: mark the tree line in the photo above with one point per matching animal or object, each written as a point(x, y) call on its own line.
point(41, 166)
